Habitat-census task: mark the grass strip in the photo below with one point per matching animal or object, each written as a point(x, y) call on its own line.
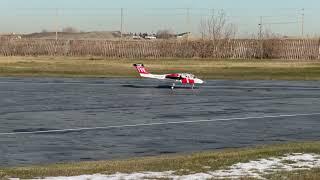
point(204, 68)
point(193, 163)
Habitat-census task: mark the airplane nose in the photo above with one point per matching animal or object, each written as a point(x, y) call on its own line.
point(199, 81)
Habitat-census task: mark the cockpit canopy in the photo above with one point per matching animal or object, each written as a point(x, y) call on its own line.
point(179, 76)
point(187, 75)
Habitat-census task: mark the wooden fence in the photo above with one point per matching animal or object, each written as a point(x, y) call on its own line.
point(233, 49)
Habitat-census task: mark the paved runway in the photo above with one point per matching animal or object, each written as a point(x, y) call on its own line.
point(232, 114)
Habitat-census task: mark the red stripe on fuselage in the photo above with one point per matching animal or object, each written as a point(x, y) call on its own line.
point(187, 81)
point(173, 76)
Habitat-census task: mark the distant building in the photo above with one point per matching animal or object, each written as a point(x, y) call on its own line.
point(150, 37)
point(144, 36)
point(136, 37)
point(184, 35)
point(12, 36)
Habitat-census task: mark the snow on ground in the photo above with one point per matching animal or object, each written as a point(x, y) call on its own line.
point(257, 169)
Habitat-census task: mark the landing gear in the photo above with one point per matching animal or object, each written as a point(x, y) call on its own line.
point(172, 87)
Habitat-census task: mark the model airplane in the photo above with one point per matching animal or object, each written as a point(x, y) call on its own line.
point(184, 78)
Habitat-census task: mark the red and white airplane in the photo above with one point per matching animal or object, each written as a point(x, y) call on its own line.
point(184, 78)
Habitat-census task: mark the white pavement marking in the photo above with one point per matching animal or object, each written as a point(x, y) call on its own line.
point(63, 83)
point(155, 85)
point(263, 87)
point(156, 124)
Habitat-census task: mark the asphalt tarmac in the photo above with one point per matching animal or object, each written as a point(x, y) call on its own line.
point(139, 117)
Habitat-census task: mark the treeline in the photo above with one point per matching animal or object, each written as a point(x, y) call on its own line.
point(231, 48)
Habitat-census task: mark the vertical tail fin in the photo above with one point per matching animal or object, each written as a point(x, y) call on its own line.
point(141, 69)
point(144, 73)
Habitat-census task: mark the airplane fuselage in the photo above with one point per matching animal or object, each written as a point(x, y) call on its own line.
point(184, 78)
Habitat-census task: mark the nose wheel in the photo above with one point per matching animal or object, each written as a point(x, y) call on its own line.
point(172, 87)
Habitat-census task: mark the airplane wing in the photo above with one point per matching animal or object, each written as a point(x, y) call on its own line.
point(153, 76)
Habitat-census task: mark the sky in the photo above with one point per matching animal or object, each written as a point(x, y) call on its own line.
point(279, 16)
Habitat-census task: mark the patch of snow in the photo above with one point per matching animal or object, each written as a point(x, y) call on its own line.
point(256, 169)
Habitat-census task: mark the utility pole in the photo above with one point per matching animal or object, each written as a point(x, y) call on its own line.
point(260, 28)
point(121, 26)
point(260, 37)
point(302, 22)
point(188, 19)
point(57, 29)
point(213, 24)
point(188, 22)
point(57, 24)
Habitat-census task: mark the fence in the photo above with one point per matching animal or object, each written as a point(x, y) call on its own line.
point(232, 49)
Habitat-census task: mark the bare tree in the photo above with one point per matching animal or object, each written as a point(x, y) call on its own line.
point(219, 31)
point(216, 27)
point(266, 43)
point(269, 34)
point(165, 34)
point(269, 44)
point(69, 30)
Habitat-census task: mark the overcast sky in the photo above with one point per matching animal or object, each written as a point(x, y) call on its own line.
point(280, 16)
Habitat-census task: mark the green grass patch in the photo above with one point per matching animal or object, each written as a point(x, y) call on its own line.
point(313, 174)
point(204, 68)
point(196, 162)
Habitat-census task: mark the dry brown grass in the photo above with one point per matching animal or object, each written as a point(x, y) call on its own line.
point(204, 68)
point(193, 162)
